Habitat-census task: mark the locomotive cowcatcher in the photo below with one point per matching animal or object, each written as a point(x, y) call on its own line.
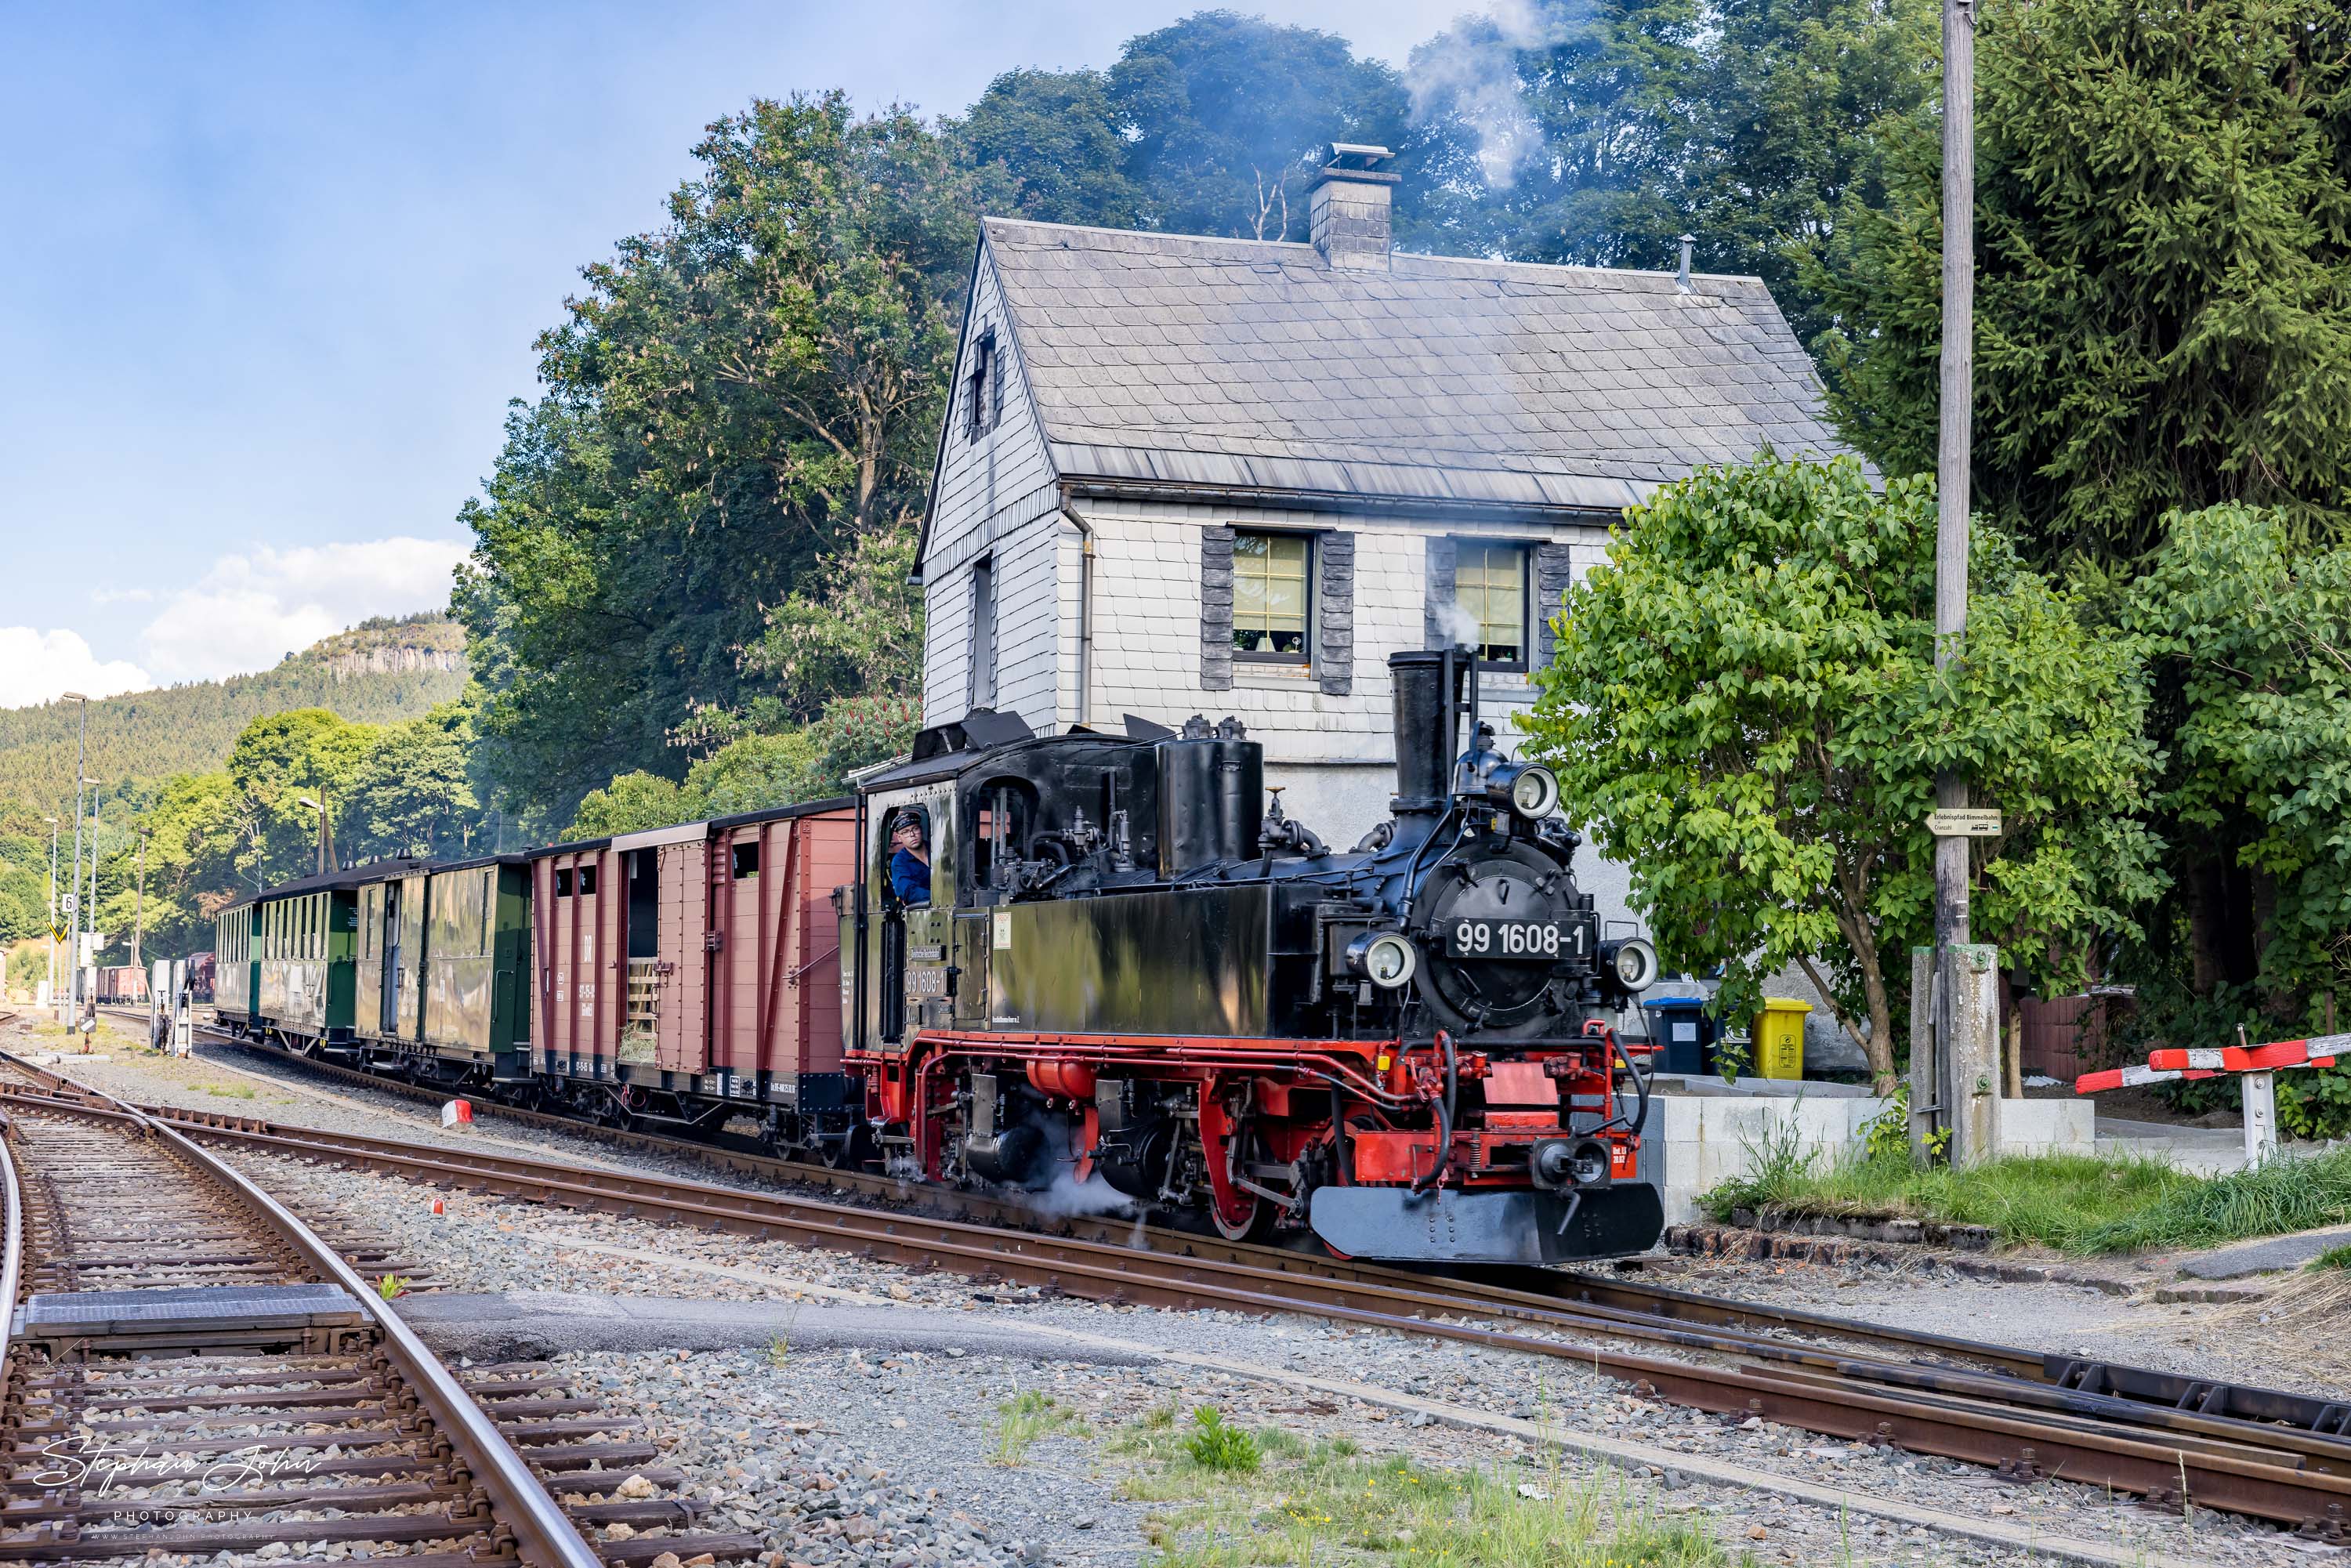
point(1093, 959)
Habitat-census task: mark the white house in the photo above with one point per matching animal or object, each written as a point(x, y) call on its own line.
point(1182, 474)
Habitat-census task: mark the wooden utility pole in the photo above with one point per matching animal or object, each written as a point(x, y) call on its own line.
point(1956, 1089)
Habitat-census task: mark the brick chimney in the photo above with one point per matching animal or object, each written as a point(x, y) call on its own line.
point(1350, 206)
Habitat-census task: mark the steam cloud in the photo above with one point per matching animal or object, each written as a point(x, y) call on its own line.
point(1472, 72)
point(1460, 627)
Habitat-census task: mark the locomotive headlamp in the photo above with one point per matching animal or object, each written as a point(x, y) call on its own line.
point(1384, 958)
point(1527, 788)
point(1630, 965)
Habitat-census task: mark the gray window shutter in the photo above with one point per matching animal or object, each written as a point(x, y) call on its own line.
point(1554, 571)
point(1334, 593)
point(1440, 589)
point(995, 382)
point(1217, 609)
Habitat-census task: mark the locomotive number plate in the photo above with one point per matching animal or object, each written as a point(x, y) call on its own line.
point(1535, 941)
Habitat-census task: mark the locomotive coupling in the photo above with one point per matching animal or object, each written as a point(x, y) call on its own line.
point(1558, 1164)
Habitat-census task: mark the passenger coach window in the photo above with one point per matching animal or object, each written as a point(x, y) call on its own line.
point(746, 859)
point(586, 880)
point(562, 883)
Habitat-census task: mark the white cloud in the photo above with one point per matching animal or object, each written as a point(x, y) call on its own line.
point(250, 609)
point(41, 666)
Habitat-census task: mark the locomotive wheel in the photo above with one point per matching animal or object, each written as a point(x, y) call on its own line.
point(1256, 1226)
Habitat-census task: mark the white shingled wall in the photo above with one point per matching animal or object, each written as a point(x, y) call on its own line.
point(1333, 756)
point(996, 498)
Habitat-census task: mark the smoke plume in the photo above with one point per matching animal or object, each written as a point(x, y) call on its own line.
point(1471, 73)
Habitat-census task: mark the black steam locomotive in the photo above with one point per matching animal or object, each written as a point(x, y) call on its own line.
point(1118, 965)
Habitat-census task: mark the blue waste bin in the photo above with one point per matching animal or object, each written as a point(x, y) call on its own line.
point(1682, 1035)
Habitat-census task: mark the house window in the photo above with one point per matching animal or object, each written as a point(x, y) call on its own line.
point(1271, 598)
point(1489, 582)
point(983, 632)
point(983, 388)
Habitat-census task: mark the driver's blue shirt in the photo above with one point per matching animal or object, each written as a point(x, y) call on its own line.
point(910, 877)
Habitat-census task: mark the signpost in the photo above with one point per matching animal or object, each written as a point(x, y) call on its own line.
point(1963, 824)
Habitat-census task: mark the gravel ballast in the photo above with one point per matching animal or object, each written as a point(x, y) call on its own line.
point(1063, 1505)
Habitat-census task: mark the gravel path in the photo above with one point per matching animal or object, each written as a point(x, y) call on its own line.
point(928, 1425)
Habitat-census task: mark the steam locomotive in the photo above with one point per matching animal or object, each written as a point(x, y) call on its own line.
point(1119, 967)
point(1090, 961)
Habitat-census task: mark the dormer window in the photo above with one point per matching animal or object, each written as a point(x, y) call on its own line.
point(983, 402)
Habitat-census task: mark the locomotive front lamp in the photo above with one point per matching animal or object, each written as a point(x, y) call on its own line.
point(1384, 958)
point(1633, 963)
point(1527, 788)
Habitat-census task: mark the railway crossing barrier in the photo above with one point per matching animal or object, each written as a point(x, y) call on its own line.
point(2257, 1064)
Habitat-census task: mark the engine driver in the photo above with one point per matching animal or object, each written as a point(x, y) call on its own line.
point(909, 861)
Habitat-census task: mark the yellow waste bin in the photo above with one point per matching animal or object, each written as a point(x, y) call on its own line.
point(1780, 1038)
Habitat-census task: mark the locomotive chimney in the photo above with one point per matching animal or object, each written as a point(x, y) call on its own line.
point(1428, 713)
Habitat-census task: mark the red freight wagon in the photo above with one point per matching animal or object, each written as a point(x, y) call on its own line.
point(691, 975)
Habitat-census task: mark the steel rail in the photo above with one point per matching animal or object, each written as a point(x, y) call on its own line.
point(1524, 1286)
point(12, 1262)
point(2272, 1472)
point(2190, 1407)
point(545, 1537)
point(1635, 1302)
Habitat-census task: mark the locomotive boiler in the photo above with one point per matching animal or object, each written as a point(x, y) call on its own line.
point(1095, 960)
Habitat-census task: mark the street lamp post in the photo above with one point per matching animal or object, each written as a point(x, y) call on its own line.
point(52, 821)
point(139, 906)
point(90, 1002)
point(325, 834)
point(69, 1005)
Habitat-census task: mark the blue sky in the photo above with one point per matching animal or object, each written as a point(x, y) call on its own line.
point(272, 273)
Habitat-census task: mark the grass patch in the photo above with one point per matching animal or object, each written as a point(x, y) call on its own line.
point(2073, 1202)
point(1025, 1417)
point(2334, 1258)
point(231, 1090)
point(1327, 1502)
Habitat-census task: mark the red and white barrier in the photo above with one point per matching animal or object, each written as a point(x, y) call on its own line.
point(2258, 1064)
point(458, 1113)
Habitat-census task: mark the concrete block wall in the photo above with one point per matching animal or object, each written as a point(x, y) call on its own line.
point(1696, 1142)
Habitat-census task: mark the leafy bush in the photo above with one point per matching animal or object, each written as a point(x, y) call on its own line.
point(1214, 1445)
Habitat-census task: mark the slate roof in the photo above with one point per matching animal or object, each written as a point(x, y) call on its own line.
point(1245, 365)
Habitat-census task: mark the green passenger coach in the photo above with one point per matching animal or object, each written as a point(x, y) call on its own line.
point(301, 937)
point(234, 979)
point(442, 968)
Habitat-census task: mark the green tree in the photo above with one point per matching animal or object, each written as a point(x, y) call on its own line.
point(753, 386)
point(2252, 638)
point(1056, 137)
point(410, 794)
point(1610, 129)
point(2163, 294)
point(1745, 709)
point(1212, 125)
point(278, 762)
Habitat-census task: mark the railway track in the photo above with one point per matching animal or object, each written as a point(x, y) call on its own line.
point(191, 1369)
point(2172, 1440)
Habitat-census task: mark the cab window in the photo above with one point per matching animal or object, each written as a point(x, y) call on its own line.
point(906, 857)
